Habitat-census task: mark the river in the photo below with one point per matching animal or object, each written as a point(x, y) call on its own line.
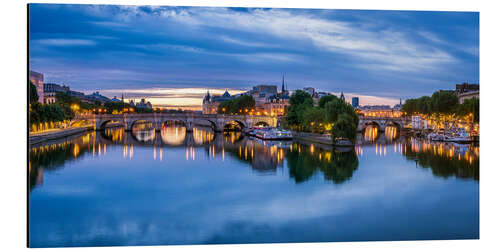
point(114, 188)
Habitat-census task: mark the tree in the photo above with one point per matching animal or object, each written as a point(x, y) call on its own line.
point(300, 101)
point(301, 97)
point(238, 105)
point(313, 118)
point(345, 128)
point(469, 107)
point(424, 105)
point(33, 94)
point(444, 102)
point(242, 103)
point(115, 106)
point(224, 107)
point(337, 107)
point(410, 107)
point(325, 99)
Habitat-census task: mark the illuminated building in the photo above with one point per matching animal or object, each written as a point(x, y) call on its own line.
point(276, 104)
point(50, 91)
point(211, 102)
point(37, 79)
point(390, 113)
point(143, 104)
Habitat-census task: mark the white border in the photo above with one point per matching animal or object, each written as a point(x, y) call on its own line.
point(13, 168)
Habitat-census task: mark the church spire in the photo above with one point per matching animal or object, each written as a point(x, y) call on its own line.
point(283, 83)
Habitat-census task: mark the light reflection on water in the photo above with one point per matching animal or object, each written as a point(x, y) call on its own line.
point(218, 162)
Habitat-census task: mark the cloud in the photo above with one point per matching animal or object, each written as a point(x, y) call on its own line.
point(65, 42)
point(385, 49)
point(246, 43)
point(386, 53)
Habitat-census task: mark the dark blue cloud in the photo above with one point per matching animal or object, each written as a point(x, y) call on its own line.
point(384, 53)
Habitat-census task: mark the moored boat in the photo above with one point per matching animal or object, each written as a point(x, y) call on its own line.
point(460, 135)
point(273, 134)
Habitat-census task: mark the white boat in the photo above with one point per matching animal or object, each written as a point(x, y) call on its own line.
point(436, 136)
point(460, 135)
point(273, 134)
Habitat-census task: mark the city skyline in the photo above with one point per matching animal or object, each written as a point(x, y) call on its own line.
point(172, 55)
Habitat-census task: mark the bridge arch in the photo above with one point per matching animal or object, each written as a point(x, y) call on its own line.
point(133, 122)
point(394, 123)
point(235, 122)
point(103, 123)
point(365, 124)
point(173, 119)
point(261, 124)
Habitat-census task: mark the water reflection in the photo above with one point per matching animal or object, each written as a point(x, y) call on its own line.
point(371, 133)
point(391, 133)
point(337, 166)
point(302, 161)
point(236, 189)
point(445, 159)
point(173, 135)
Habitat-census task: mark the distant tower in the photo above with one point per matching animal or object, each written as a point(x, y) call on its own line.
point(400, 103)
point(283, 84)
point(207, 97)
point(342, 96)
point(355, 101)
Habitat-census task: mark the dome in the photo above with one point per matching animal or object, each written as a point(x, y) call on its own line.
point(226, 94)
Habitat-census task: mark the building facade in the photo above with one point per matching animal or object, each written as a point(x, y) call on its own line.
point(96, 97)
point(50, 91)
point(37, 79)
point(211, 102)
point(355, 102)
point(268, 101)
point(466, 91)
point(275, 103)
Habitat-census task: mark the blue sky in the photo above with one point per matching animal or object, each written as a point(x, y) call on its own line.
point(172, 55)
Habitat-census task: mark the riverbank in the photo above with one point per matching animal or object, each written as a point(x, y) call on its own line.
point(35, 138)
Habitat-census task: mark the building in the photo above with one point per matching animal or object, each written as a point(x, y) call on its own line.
point(466, 91)
point(50, 91)
point(342, 96)
point(416, 122)
point(96, 97)
point(114, 99)
point(355, 102)
point(466, 87)
point(276, 104)
point(268, 101)
point(211, 102)
point(379, 111)
point(309, 90)
point(143, 104)
point(37, 79)
point(375, 107)
point(399, 105)
point(262, 93)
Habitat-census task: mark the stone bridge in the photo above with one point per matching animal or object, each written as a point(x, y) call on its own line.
point(381, 122)
point(216, 121)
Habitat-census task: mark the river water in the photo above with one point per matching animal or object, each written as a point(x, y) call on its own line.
point(171, 187)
